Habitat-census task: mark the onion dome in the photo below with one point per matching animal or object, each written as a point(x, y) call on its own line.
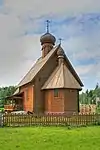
point(47, 38)
point(60, 52)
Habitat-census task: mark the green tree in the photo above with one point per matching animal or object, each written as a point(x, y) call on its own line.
point(89, 97)
point(4, 92)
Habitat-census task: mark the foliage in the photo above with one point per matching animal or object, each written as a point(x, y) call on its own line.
point(50, 138)
point(98, 109)
point(89, 97)
point(4, 92)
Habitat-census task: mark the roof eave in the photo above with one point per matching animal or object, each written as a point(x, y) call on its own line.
point(20, 85)
point(74, 72)
point(52, 88)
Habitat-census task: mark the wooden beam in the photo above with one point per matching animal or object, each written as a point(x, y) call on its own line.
point(17, 97)
point(14, 98)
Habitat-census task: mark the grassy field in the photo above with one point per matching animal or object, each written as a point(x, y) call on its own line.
point(50, 138)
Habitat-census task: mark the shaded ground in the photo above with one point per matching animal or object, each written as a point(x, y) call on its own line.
point(50, 138)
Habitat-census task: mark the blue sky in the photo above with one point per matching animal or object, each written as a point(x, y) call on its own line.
point(22, 24)
point(1, 2)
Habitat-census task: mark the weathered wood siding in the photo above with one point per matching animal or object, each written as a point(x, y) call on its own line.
point(40, 79)
point(54, 104)
point(66, 102)
point(71, 101)
point(28, 100)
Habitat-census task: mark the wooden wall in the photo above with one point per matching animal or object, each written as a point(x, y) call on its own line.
point(66, 102)
point(28, 100)
point(71, 101)
point(54, 104)
point(40, 79)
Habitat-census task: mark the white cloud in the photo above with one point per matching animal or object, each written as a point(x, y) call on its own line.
point(18, 50)
point(44, 7)
point(83, 69)
point(90, 73)
point(17, 54)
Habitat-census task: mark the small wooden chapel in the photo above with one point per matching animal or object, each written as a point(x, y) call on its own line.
point(52, 85)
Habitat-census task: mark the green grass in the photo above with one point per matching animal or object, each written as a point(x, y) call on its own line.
point(50, 138)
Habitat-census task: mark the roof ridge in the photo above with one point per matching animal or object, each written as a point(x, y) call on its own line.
point(63, 75)
point(72, 70)
point(61, 78)
point(37, 67)
point(59, 74)
point(51, 76)
point(29, 70)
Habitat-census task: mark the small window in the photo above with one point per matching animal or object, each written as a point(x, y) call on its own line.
point(56, 92)
point(72, 90)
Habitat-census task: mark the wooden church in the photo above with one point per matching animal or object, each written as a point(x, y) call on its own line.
point(51, 85)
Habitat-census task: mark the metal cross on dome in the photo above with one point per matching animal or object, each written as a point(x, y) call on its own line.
point(60, 40)
point(48, 23)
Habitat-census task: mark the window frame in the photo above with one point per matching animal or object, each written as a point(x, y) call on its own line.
point(56, 93)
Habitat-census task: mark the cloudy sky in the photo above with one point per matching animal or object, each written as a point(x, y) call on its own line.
point(22, 22)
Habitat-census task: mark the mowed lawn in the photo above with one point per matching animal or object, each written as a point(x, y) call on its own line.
point(50, 138)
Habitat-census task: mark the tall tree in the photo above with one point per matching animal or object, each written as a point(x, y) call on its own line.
point(4, 92)
point(89, 97)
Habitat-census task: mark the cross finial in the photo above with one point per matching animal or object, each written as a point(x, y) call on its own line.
point(60, 40)
point(48, 22)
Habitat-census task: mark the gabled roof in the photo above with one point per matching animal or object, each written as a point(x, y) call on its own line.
point(61, 78)
point(36, 68)
point(73, 71)
point(16, 92)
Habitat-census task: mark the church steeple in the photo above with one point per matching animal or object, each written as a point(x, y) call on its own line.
point(47, 41)
point(60, 54)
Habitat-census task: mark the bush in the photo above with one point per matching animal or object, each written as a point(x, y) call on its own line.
point(2, 110)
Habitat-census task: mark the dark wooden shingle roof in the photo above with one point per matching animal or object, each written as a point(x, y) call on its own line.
point(41, 62)
point(36, 68)
point(61, 78)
